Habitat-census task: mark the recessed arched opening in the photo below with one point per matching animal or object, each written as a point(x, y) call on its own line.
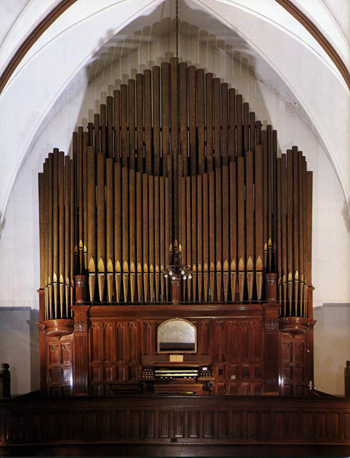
point(177, 336)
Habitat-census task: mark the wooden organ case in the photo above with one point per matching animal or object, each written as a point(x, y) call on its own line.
point(175, 205)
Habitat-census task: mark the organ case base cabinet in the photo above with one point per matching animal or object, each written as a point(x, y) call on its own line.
point(111, 348)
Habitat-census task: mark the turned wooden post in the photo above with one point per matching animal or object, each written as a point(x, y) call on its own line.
point(271, 287)
point(347, 379)
point(5, 381)
point(81, 289)
point(175, 291)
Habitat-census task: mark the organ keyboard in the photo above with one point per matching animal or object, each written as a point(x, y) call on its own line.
point(165, 373)
point(177, 379)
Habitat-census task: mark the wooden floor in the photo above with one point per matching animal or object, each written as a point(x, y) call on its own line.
point(176, 450)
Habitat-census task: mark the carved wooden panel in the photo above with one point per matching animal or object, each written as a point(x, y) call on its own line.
point(223, 424)
point(279, 424)
point(150, 424)
point(294, 365)
point(116, 346)
point(346, 426)
point(164, 424)
point(179, 423)
point(321, 425)
point(114, 354)
point(193, 424)
point(149, 337)
point(204, 345)
point(110, 342)
point(208, 424)
point(119, 424)
point(156, 420)
point(252, 420)
point(238, 357)
point(134, 424)
point(307, 425)
point(59, 376)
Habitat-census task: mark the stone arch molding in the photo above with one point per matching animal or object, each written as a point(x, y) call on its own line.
point(284, 61)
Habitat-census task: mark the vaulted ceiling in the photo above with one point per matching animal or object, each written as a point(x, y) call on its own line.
point(83, 40)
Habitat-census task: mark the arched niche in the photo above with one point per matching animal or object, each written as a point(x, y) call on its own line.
point(177, 336)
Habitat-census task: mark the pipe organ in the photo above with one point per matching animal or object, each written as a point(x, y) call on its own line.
point(176, 203)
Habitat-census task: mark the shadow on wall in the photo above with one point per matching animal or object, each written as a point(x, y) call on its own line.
point(346, 216)
point(332, 346)
point(151, 40)
point(19, 347)
point(2, 222)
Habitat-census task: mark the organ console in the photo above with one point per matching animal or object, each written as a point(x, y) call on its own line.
point(176, 204)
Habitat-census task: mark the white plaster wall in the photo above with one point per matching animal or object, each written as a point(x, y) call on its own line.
point(30, 94)
point(19, 245)
point(340, 12)
point(332, 18)
point(18, 18)
point(332, 340)
point(20, 349)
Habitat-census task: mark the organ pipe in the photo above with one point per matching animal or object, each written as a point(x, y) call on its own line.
point(109, 229)
point(67, 282)
point(175, 159)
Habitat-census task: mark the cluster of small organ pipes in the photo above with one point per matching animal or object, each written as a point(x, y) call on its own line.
point(175, 157)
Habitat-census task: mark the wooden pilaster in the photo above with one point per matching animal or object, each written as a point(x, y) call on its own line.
point(272, 311)
point(81, 350)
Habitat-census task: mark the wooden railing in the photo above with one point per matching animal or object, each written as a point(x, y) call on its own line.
point(159, 419)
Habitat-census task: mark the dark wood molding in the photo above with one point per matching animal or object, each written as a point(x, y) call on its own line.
point(319, 37)
point(32, 38)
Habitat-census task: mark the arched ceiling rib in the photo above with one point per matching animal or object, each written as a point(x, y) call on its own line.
point(337, 50)
point(332, 18)
point(23, 22)
point(10, 11)
point(67, 46)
